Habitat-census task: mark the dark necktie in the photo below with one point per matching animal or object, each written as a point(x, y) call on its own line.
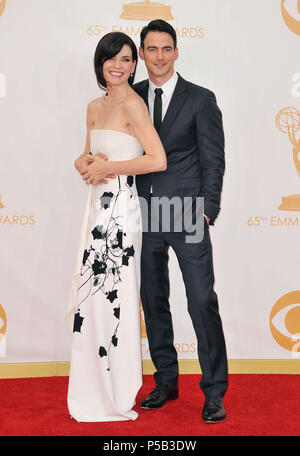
point(157, 112)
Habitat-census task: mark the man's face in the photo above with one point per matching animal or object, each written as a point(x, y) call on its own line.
point(159, 55)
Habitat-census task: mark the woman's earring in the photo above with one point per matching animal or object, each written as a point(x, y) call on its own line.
point(130, 80)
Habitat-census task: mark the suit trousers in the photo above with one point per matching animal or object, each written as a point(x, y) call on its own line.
point(196, 264)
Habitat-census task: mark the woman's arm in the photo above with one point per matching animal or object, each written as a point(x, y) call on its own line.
point(154, 159)
point(86, 158)
point(82, 159)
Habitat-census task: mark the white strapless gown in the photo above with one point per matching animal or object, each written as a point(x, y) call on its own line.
point(103, 309)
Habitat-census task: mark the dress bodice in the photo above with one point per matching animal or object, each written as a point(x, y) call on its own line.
point(115, 144)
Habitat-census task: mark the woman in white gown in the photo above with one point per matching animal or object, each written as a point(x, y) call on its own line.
point(103, 309)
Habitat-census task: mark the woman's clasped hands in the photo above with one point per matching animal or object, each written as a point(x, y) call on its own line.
point(93, 169)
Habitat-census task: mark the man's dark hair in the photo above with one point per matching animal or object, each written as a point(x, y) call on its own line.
point(158, 25)
point(109, 46)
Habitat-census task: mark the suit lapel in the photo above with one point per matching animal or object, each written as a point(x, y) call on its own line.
point(174, 107)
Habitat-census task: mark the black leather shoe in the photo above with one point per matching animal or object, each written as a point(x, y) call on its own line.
point(160, 394)
point(213, 410)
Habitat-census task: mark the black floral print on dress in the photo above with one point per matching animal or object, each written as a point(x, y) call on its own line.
point(102, 263)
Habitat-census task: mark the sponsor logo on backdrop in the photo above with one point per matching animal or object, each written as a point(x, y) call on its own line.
point(3, 325)
point(288, 122)
point(144, 11)
point(290, 10)
point(2, 6)
point(285, 322)
point(14, 219)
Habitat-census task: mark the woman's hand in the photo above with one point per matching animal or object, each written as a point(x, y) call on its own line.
point(96, 170)
point(81, 162)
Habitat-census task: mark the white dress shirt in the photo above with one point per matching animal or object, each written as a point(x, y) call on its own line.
point(167, 88)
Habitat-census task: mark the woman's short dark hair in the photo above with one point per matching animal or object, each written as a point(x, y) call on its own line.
point(109, 46)
point(158, 25)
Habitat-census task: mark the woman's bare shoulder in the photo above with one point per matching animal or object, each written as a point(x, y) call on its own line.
point(134, 104)
point(95, 104)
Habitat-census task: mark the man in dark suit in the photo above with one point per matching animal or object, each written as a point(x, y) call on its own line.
point(189, 124)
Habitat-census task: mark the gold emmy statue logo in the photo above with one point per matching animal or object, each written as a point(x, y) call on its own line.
point(291, 321)
point(2, 6)
point(143, 326)
point(288, 122)
point(4, 320)
point(1, 205)
point(146, 11)
point(292, 23)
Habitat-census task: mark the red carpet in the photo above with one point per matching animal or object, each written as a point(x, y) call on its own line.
point(256, 405)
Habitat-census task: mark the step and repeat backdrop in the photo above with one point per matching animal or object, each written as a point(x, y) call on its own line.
point(247, 52)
